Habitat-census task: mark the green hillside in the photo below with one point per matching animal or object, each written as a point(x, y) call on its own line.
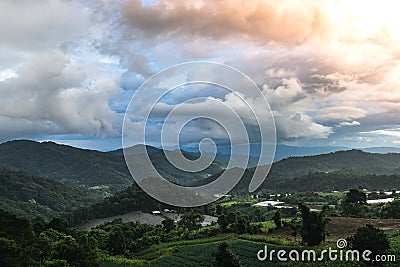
point(129, 199)
point(339, 181)
point(334, 171)
point(29, 196)
point(87, 168)
point(66, 164)
point(355, 160)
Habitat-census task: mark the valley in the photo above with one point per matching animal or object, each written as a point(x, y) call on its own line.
point(53, 192)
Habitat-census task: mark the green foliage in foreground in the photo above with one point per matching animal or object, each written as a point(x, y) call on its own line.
point(354, 203)
point(113, 244)
point(163, 249)
point(312, 229)
point(111, 261)
point(391, 210)
point(370, 238)
point(202, 254)
point(270, 240)
point(224, 257)
point(21, 246)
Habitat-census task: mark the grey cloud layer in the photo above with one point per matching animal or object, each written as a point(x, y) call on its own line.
point(283, 21)
point(323, 79)
point(53, 90)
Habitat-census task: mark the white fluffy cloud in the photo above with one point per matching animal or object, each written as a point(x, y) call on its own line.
point(324, 66)
point(49, 97)
point(50, 81)
point(340, 113)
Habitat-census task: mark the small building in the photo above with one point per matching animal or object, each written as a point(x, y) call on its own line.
point(268, 203)
point(379, 201)
point(203, 224)
point(156, 212)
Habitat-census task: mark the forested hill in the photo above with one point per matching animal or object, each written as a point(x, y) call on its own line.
point(28, 196)
point(87, 168)
point(131, 199)
point(354, 160)
point(355, 164)
point(67, 164)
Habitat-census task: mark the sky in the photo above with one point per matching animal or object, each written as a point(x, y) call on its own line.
point(330, 69)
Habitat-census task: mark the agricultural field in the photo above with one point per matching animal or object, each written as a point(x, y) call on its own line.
point(200, 253)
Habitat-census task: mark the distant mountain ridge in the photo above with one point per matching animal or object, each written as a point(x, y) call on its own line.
point(355, 163)
point(356, 160)
point(88, 168)
point(103, 172)
point(285, 151)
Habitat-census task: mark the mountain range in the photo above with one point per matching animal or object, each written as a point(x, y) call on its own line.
point(285, 151)
point(74, 177)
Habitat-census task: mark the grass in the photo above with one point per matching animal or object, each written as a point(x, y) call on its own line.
point(115, 261)
point(394, 240)
point(270, 225)
point(168, 248)
point(246, 250)
point(200, 252)
point(203, 254)
point(229, 203)
point(334, 194)
point(267, 225)
point(269, 240)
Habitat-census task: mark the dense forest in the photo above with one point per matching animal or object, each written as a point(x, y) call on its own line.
point(28, 196)
point(70, 165)
point(130, 199)
point(48, 191)
point(87, 168)
point(328, 172)
point(57, 178)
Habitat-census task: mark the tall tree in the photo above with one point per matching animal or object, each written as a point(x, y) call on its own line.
point(223, 224)
point(354, 203)
point(369, 238)
point(391, 210)
point(224, 257)
point(312, 230)
point(191, 220)
point(168, 225)
point(277, 219)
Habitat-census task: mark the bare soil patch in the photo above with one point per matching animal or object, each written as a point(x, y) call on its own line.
point(342, 227)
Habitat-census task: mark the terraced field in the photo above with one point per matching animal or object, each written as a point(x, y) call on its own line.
point(200, 252)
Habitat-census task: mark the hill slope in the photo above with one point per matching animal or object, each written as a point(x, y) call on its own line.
point(333, 171)
point(66, 164)
point(86, 168)
point(355, 160)
point(29, 196)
